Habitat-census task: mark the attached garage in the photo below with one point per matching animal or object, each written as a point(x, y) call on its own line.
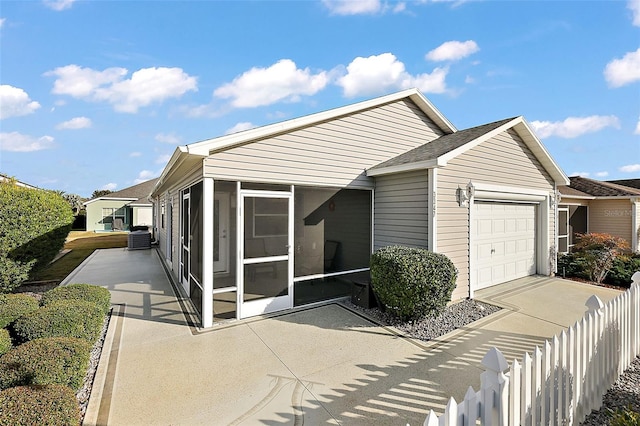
point(505, 242)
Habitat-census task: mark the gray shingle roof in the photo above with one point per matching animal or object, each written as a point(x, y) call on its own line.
point(442, 145)
point(139, 192)
point(633, 183)
point(599, 188)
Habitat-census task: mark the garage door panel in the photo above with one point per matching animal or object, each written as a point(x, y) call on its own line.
point(505, 242)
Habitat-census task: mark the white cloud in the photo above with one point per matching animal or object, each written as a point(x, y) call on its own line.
point(282, 81)
point(15, 102)
point(2, 21)
point(245, 125)
point(353, 7)
point(163, 159)
point(634, 5)
point(135, 154)
point(602, 174)
point(381, 73)
point(170, 138)
point(637, 131)
point(110, 186)
point(573, 127)
point(145, 175)
point(75, 123)
point(631, 168)
point(453, 51)
point(146, 86)
point(623, 71)
point(581, 174)
point(17, 142)
point(59, 5)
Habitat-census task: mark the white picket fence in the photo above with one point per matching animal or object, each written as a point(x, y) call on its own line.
point(560, 383)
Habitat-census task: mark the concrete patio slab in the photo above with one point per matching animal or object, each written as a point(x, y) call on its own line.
point(321, 365)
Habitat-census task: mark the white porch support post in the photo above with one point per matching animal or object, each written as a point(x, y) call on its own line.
point(471, 190)
point(432, 177)
point(207, 252)
point(635, 223)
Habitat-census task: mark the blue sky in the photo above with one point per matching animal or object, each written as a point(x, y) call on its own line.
point(98, 94)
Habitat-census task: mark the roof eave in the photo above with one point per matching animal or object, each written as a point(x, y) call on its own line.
point(401, 168)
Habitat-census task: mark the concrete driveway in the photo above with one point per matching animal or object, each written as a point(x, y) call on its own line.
point(322, 365)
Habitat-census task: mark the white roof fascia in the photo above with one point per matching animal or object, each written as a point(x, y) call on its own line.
point(400, 168)
point(177, 158)
point(205, 147)
point(577, 197)
point(105, 198)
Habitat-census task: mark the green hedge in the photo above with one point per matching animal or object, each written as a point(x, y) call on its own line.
point(412, 282)
point(39, 405)
point(5, 341)
point(13, 306)
point(64, 318)
point(34, 224)
point(90, 293)
point(53, 360)
point(623, 269)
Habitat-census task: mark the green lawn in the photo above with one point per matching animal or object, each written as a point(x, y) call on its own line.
point(81, 244)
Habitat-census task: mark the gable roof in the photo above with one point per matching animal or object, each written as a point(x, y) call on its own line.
point(137, 194)
point(596, 188)
point(187, 154)
point(439, 151)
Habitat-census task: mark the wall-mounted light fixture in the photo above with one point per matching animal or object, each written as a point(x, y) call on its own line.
point(462, 197)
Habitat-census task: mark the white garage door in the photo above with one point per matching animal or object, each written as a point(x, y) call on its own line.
point(504, 242)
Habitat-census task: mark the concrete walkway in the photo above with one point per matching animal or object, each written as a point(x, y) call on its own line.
point(323, 365)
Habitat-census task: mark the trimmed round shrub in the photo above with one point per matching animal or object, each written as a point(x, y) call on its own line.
point(5, 341)
point(39, 405)
point(412, 282)
point(53, 360)
point(13, 306)
point(64, 318)
point(34, 224)
point(87, 292)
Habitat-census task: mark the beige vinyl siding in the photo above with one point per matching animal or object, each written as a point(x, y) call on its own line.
point(332, 153)
point(401, 210)
point(502, 160)
point(611, 217)
point(94, 212)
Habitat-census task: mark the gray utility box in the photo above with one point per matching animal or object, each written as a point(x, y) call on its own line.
point(139, 240)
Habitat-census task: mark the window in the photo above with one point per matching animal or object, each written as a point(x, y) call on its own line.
point(162, 214)
point(109, 215)
point(270, 217)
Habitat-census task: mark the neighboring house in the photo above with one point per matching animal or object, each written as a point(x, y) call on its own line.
point(288, 214)
point(588, 205)
point(4, 178)
point(120, 210)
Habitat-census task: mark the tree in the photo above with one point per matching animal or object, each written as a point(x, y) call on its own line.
point(599, 252)
point(100, 193)
point(75, 202)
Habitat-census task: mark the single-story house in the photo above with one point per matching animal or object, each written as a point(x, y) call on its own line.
point(288, 214)
point(588, 205)
point(120, 210)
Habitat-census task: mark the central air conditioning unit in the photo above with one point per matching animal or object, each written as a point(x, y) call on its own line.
point(139, 240)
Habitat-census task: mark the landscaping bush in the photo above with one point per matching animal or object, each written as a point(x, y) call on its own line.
point(87, 292)
point(412, 282)
point(34, 224)
point(13, 306)
point(599, 251)
point(5, 341)
point(39, 405)
point(52, 360)
point(623, 269)
point(64, 318)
